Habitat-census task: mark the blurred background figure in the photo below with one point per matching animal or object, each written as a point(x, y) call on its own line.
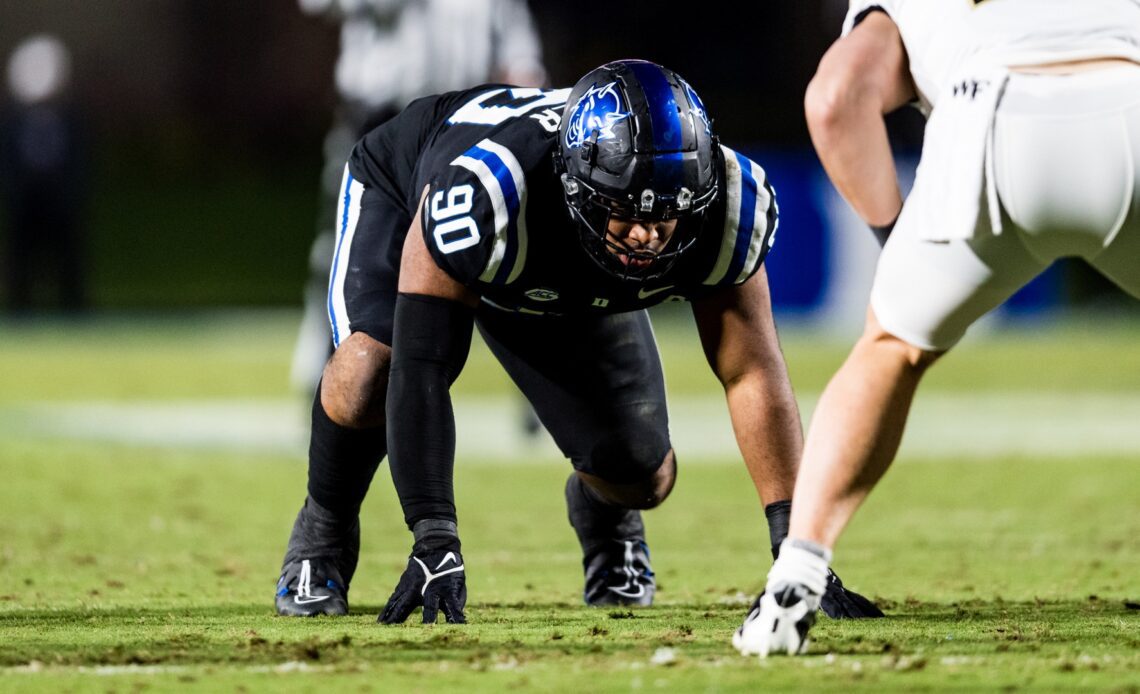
point(43, 178)
point(391, 52)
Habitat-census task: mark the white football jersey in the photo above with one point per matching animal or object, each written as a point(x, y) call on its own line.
point(943, 36)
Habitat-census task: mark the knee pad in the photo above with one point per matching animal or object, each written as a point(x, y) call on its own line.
point(630, 453)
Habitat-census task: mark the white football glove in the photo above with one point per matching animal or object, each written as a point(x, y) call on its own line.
point(781, 617)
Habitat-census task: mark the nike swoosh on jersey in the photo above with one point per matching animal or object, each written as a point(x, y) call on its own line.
point(646, 293)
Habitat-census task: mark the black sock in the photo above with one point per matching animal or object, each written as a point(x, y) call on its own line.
point(342, 462)
point(779, 513)
point(595, 521)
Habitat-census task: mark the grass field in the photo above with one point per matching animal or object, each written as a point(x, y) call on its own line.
point(127, 566)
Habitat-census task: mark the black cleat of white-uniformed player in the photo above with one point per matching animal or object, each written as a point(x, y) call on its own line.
point(619, 574)
point(311, 587)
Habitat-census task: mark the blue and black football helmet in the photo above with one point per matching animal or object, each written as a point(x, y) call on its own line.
point(636, 143)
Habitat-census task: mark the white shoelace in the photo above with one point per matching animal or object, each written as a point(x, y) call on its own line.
point(304, 581)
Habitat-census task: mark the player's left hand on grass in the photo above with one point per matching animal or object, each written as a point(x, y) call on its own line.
point(781, 617)
point(434, 578)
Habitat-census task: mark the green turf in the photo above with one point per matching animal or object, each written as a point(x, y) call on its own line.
point(245, 354)
point(125, 567)
point(1005, 573)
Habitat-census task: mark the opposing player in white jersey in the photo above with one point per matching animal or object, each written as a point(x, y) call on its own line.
point(1032, 153)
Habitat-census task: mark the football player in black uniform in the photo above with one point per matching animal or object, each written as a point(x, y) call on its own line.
point(549, 219)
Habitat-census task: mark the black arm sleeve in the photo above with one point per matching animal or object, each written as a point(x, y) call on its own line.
point(430, 342)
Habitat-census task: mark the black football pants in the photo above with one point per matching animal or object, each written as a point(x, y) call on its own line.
point(595, 382)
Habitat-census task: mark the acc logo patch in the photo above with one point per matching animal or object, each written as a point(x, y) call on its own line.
point(600, 109)
point(541, 294)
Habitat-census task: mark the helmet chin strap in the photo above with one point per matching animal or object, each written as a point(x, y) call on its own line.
point(606, 253)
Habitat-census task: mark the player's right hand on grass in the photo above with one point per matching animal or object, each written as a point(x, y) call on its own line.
point(434, 579)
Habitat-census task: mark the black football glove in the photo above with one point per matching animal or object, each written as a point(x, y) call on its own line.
point(839, 603)
point(434, 580)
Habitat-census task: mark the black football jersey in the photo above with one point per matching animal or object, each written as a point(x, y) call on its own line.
point(494, 217)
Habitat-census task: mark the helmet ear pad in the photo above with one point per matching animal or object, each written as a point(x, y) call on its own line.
point(635, 140)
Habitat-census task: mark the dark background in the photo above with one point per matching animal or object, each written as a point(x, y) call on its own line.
point(257, 73)
point(207, 119)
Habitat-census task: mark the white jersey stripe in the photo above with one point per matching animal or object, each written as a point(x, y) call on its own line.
point(759, 223)
point(347, 215)
point(499, 205)
point(508, 159)
point(732, 187)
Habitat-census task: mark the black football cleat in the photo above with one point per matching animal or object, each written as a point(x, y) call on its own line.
point(615, 556)
point(309, 588)
point(619, 574)
point(318, 565)
point(840, 602)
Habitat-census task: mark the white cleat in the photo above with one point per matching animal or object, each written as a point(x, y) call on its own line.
point(771, 628)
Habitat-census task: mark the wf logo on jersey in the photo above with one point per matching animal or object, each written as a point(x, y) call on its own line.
point(971, 88)
point(699, 106)
point(599, 109)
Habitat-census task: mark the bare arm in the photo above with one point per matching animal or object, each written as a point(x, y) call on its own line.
point(419, 273)
point(861, 77)
point(740, 343)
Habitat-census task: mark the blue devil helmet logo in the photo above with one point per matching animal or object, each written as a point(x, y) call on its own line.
point(600, 109)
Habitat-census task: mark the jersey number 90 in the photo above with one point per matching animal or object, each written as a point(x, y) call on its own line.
point(454, 227)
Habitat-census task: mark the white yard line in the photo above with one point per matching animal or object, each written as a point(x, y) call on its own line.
point(38, 668)
point(489, 428)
